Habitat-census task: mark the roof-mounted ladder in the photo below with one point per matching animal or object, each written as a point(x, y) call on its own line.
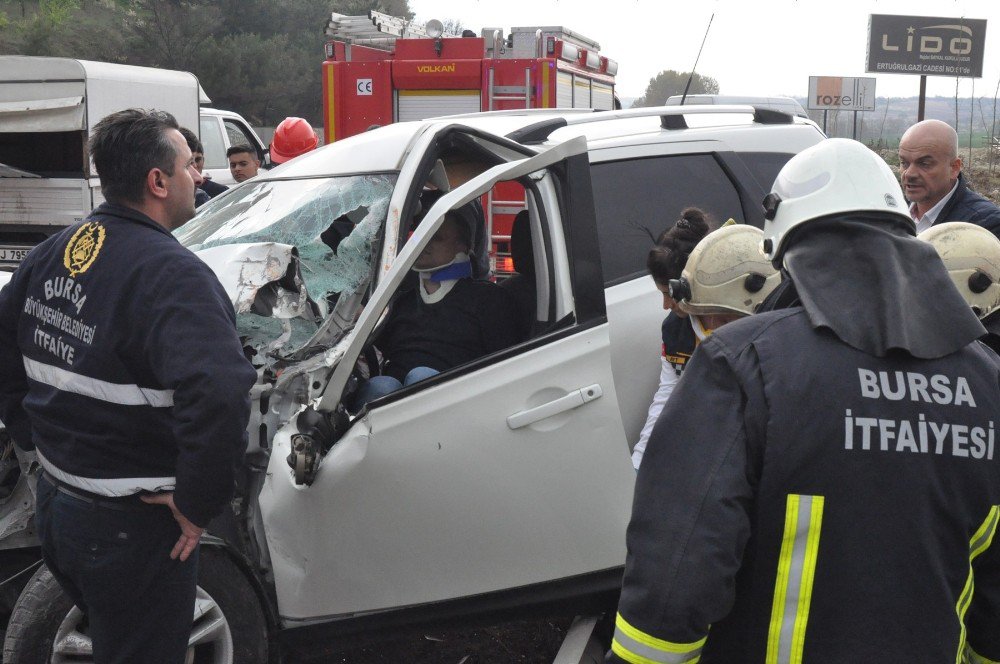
point(375, 29)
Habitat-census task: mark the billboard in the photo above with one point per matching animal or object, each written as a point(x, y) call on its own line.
point(926, 45)
point(840, 93)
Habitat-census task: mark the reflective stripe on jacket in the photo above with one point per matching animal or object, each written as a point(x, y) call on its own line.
point(120, 362)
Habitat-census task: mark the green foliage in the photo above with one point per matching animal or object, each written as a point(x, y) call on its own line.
point(669, 82)
point(261, 58)
point(36, 25)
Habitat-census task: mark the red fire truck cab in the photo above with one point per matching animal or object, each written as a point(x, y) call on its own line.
point(381, 69)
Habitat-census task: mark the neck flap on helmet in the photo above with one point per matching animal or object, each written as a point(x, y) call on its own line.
point(878, 288)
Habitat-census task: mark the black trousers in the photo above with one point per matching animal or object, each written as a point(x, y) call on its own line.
point(113, 560)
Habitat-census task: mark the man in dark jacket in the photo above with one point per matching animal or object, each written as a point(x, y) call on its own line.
point(448, 318)
point(822, 485)
point(931, 173)
point(120, 364)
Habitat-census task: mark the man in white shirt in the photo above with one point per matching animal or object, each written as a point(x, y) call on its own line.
point(931, 175)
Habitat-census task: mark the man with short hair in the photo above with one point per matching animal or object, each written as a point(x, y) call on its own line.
point(120, 364)
point(209, 188)
point(931, 173)
point(243, 162)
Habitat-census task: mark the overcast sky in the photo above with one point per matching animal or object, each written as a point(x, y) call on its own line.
point(754, 47)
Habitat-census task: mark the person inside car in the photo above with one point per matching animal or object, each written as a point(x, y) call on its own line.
point(448, 318)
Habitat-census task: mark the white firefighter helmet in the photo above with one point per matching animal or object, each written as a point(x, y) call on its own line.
point(726, 273)
point(835, 176)
point(971, 255)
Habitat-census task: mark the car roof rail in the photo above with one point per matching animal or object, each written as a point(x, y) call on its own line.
point(537, 132)
point(671, 117)
point(761, 115)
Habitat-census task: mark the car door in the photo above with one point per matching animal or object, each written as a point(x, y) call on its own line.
point(506, 473)
point(214, 140)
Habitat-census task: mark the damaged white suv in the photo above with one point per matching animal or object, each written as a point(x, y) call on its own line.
point(504, 483)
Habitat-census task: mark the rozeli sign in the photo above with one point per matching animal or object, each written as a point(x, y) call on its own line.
point(926, 45)
point(839, 93)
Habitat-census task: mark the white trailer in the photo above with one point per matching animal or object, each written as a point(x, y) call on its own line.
point(48, 109)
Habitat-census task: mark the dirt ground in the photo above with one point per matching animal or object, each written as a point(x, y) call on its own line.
point(520, 642)
point(985, 177)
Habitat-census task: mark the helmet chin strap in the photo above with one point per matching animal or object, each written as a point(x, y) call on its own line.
point(700, 330)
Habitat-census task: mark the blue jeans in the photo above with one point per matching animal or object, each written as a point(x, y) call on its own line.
point(379, 386)
point(114, 563)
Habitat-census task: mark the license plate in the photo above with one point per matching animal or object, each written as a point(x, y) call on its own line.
point(13, 254)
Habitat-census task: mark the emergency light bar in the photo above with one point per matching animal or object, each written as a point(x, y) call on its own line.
point(570, 52)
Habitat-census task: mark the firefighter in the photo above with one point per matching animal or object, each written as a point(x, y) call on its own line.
point(971, 255)
point(292, 137)
point(120, 364)
point(726, 277)
point(822, 486)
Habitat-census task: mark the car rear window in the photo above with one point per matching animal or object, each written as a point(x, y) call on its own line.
point(638, 199)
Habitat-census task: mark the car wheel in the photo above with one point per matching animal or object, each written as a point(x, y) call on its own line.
point(229, 625)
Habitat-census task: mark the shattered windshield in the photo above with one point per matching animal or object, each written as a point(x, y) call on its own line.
point(288, 251)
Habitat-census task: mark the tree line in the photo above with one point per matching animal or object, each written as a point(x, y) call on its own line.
point(261, 58)
point(670, 82)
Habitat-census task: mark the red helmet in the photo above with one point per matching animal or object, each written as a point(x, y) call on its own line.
point(292, 137)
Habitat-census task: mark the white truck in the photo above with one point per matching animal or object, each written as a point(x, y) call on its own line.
point(495, 488)
point(48, 108)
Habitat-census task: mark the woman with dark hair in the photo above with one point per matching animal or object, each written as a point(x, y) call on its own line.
point(665, 262)
point(725, 276)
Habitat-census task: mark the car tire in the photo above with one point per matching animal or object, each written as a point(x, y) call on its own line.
point(229, 627)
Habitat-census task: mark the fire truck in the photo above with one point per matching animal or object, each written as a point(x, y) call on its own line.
point(381, 69)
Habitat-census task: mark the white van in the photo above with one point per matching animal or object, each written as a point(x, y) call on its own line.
point(48, 109)
point(221, 130)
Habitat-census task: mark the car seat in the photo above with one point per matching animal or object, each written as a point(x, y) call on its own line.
point(521, 286)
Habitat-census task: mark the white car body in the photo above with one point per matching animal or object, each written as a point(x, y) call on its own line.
point(502, 483)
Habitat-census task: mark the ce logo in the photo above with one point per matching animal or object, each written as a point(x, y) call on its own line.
point(364, 86)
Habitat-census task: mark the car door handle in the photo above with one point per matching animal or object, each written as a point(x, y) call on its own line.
point(572, 400)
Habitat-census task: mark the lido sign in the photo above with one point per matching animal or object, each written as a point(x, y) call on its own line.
point(926, 45)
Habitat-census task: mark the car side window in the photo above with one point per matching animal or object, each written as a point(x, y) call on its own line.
point(215, 147)
point(239, 136)
point(636, 200)
point(765, 166)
